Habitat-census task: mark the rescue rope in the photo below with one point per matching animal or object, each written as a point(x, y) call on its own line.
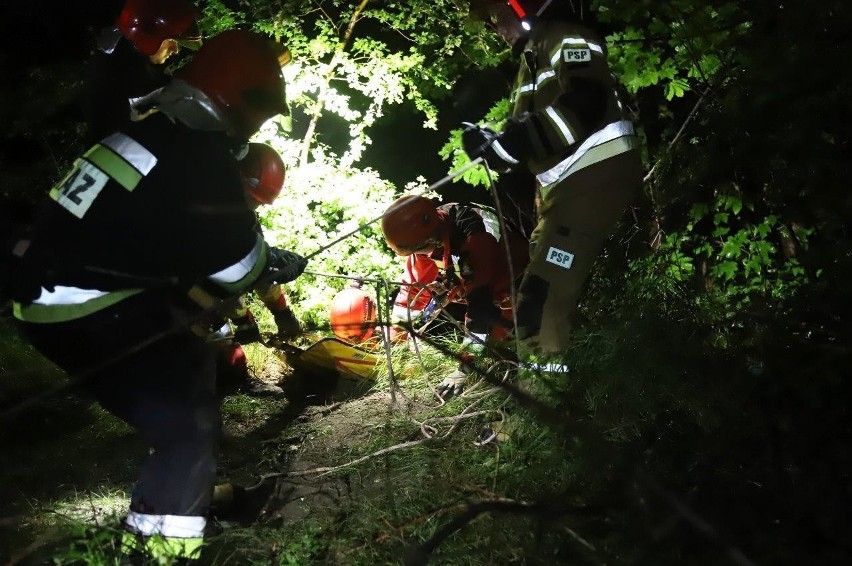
point(433, 186)
point(503, 230)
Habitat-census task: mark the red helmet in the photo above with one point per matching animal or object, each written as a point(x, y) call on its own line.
point(240, 72)
point(353, 314)
point(148, 23)
point(263, 173)
point(411, 224)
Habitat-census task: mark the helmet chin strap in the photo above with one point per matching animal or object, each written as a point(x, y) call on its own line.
point(182, 102)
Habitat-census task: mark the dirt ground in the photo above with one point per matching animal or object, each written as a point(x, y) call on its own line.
point(68, 449)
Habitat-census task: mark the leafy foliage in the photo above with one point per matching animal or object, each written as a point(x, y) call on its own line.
point(705, 415)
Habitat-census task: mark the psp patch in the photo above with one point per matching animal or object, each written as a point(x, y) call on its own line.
point(576, 55)
point(560, 257)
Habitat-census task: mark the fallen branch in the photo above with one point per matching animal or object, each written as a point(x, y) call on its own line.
point(329, 469)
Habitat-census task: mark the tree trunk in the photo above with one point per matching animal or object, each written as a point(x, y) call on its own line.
point(329, 75)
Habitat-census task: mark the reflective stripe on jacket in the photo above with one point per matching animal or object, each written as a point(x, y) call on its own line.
point(567, 98)
point(155, 205)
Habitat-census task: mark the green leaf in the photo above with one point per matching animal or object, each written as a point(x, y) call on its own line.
point(725, 270)
point(731, 248)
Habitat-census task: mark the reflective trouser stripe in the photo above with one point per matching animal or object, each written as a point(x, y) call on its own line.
point(162, 549)
point(49, 313)
point(179, 526)
point(550, 368)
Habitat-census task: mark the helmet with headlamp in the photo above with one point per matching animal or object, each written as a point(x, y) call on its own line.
point(528, 10)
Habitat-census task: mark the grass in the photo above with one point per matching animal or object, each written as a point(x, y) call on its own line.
point(380, 507)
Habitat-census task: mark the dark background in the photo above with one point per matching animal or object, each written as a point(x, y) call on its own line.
point(44, 45)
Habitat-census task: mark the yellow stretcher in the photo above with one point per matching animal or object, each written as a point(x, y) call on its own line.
point(326, 356)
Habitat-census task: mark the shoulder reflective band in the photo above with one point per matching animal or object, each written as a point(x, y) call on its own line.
point(122, 158)
point(68, 303)
point(610, 132)
point(244, 271)
point(491, 222)
point(78, 190)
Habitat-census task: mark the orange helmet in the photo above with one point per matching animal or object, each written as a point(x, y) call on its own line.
point(240, 71)
point(353, 314)
point(263, 173)
point(411, 224)
point(148, 23)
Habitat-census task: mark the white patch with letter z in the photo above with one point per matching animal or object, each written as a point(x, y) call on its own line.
point(577, 55)
point(560, 257)
point(78, 190)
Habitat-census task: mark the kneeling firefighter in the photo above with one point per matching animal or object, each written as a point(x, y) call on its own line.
point(263, 174)
point(460, 248)
point(143, 219)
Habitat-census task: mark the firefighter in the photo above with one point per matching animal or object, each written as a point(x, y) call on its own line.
point(461, 248)
point(124, 258)
point(130, 58)
point(569, 128)
point(262, 173)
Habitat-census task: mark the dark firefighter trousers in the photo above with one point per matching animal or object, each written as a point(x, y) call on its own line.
point(574, 221)
point(166, 391)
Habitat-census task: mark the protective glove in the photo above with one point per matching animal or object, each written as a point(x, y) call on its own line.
point(482, 313)
point(502, 151)
point(246, 330)
point(286, 265)
point(452, 385)
point(247, 334)
point(532, 295)
point(287, 324)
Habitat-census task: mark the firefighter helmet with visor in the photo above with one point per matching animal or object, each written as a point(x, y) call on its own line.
point(411, 224)
point(240, 72)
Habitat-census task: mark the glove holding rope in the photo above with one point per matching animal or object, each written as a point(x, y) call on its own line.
point(246, 330)
point(286, 265)
point(502, 151)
